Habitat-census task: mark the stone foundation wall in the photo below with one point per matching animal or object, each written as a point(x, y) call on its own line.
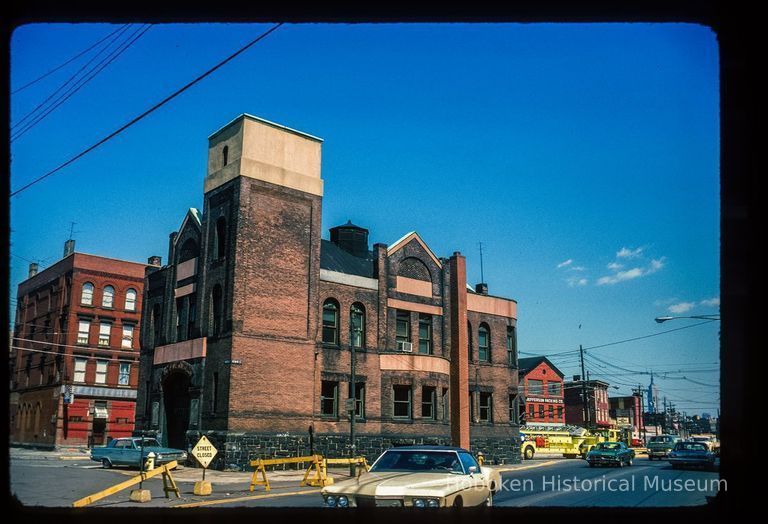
point(236, 450)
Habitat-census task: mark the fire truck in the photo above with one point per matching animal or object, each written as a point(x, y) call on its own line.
point(571, 441)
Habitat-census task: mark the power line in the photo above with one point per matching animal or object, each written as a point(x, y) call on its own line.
point(147, 112)
point(81, 53)
point(101, 66)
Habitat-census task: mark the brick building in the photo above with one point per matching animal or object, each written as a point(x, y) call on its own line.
point(248, 330)
point(74, 351)
point(597, 414)
point(541, 384)
point(627, 412)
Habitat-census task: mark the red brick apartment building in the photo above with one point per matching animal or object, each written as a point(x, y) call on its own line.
point(249, 330)
point(597, 412)
point(74, 351)
point(542, 391)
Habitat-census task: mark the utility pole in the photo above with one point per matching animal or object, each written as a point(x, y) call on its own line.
point(353, 385)
point(585, 409)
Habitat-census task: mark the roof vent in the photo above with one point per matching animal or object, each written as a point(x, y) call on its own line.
point(33, 269)
point(481, 288)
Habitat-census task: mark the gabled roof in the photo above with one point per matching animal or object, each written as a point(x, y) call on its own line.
point(527, 364)
point(407, 238)
point(192, 214)
point(333, 258)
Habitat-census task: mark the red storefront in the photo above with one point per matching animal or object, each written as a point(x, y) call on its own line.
point(542, 386)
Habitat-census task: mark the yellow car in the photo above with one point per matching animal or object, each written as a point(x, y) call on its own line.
point(418, 477)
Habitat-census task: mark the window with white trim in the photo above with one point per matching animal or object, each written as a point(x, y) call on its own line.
point(80, 369)
point(83, 331)
point(127, 336)
point(124, 377)
point(101, 371)
point(130, 300)
point(108, 298)
point(104, 331)
point(86, 297)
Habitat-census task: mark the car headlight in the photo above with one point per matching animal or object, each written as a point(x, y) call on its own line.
point(433, 503)
point(343, 502)
point(419, 503)
point(330, 501)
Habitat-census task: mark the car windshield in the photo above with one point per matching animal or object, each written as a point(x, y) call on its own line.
point(660, 439)
point(690, 446)
point(700, 439)
point(417, 460)
point(610, 446)
point(148, 443)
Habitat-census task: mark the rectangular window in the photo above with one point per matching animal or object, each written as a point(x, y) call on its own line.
point(403, 329)
point(513, 409)
point(531, 411)
point(486, 407)
point(402, 402)
point(511, 347)
point(104, 331)
point(124, 378)
point(559, 413)
point(425, 334)
point(551, 412)
point(428, 402)
point(101, 371)
point(83, 331)
point(127, 336)
point(359, 399)
point(541, 411)
point(535, 387)
point(446, 405)
point(483, 345)
point(330, 324)
point(554, 389)
point(329, 395)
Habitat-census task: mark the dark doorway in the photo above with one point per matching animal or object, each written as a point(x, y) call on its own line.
point(176, 396)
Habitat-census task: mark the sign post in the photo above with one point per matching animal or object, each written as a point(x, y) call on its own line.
point(204, 452)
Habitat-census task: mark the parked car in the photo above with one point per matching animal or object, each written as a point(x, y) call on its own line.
point(610, 454)
point(418, 477)
point(660, 445)
point(128, 452)
point(690, 453)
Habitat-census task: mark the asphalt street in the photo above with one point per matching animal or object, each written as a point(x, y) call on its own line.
point(57, 480)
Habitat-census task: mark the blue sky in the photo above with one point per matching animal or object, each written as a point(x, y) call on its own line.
point(585, 158)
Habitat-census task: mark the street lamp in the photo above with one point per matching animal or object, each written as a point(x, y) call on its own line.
point(701, 317)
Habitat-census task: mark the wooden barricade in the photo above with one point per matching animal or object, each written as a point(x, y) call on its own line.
point(169, 485)
point(316, 462)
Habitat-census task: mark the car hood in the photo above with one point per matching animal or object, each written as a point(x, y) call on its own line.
point(398, 483)
point(692, 454)
point(157, 449)
point(603, 453)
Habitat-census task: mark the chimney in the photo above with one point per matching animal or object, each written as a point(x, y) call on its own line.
point(576, 378)
point(481, 288)
point(155, 261)
point(69, 247)
point(32, 269)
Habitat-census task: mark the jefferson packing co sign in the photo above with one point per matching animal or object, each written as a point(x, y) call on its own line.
point(544, 400)
point(204, 451)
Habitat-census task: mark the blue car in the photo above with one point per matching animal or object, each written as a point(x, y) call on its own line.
point(128, 452)
point(689, 453)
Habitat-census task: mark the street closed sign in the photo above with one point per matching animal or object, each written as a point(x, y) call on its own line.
point(204, 451)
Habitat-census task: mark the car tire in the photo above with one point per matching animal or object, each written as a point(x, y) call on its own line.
point(528, 453)
point(591, 464)
point(106, 464)
point(629, 462)
point(458, 502)
point(489, 501)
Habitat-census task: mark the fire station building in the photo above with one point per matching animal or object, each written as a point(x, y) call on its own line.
point(74, 352)
point(249, 331)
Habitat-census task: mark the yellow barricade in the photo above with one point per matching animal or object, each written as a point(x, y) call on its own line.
point(360, 461)
point(316, 461)
point(169, 485)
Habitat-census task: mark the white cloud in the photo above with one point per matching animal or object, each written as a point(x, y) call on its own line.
point(566, 263)
point(665, 302)
point(621, 276)
point(711, 302)
point(682, 307)
point(656, 265)
point(577, 268)
point(577, 282)
point(614, 266)
point(629, 253)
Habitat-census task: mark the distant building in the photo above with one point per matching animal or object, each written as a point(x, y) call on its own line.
point(628, 413)
point(542, 386)
point(75, 351)
point(596, 414)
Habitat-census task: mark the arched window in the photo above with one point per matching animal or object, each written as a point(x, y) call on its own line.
point(356, 325)
point(224, 156)
point(331, 322)
point(469, 340)
point(130, 300)
point(86, 296)
point(217, 321)
point(108, 298)
point(484, 343)
point(221, 238)
point(511, 346)
point(188, 251)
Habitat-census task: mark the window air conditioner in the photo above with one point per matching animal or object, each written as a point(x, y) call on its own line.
point(406, 347)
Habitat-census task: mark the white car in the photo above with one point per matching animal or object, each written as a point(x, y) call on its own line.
point(418, 477)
